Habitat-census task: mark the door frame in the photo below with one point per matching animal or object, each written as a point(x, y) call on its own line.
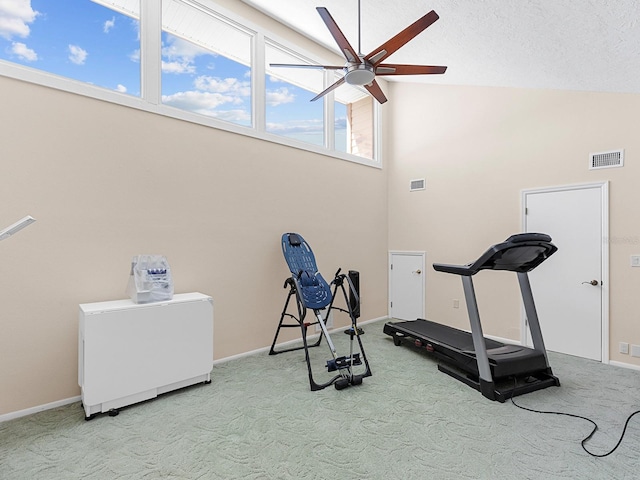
point(415, 253)
point(604, 254)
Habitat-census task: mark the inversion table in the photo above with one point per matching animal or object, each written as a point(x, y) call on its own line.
point(312, 292)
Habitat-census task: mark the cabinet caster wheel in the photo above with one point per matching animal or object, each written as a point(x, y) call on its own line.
point(397, 341)
point(90, 417)
point(207, 382)
point(114, 412)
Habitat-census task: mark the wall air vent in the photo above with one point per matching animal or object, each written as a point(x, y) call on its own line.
point(614, 158)
point(416, 185)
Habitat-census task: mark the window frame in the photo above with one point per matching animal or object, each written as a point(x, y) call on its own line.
point(150, 99)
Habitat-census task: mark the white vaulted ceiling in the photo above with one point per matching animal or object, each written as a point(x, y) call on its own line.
point(589, 45)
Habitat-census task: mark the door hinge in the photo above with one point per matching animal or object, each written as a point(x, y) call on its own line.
point(392, 266)
point(391, 304)
point(526, 210)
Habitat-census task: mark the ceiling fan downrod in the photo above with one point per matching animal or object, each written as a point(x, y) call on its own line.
point(362, 72)
point(359, 31)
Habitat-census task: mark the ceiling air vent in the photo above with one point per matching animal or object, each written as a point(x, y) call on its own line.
point(614, 158)
point(416, 185)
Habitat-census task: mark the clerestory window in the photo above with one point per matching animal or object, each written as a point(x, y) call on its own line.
point(191, 60)
point(288, 94)
point(206, 63)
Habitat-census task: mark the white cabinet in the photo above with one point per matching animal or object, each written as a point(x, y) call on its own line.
point(132, 352)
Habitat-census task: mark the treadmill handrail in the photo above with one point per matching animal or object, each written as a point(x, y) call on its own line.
point(519, 253)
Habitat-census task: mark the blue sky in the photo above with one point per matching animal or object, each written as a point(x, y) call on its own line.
point(85, 41)
point(73, 38)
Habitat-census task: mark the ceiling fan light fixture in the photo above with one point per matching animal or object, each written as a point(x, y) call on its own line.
point(359, 74)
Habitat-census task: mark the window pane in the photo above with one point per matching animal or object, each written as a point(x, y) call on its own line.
point(289, 110)
point(97, 42)
point(206, 64)
point(353, 121)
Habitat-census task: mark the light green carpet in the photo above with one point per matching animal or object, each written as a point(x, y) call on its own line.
point(258, 420)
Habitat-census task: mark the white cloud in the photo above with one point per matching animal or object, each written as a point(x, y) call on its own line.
point(15, 15)
point(77, 55)
point(108, 25)
point(199, 102)
point(178, 67)
point(242, 117)
point(135, 24)
point(223, 85)
point(121, 88)
point(176, 48)
point(24, 52)
point(279, 96)
point(178, 55)
point(309, 126)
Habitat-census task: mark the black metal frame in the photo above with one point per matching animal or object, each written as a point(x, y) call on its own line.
point(344, 365)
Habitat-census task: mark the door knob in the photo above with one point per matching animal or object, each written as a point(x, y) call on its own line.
point(418, 271)
point(592, 282)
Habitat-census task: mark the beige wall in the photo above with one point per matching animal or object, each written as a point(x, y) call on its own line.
point(478, 148)
point(106, 182)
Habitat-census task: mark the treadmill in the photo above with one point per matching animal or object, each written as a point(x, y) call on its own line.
point(499, 371)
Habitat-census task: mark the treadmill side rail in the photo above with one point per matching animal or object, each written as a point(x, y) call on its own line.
point(532, 314)
point(484, 371)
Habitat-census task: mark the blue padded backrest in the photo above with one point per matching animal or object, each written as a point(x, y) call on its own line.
point(298, 254)
point(314, 291)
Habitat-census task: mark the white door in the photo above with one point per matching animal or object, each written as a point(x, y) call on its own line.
point(406, 285)
point(568, 288)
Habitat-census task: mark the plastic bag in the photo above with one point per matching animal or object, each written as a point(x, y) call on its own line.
point(150, 279)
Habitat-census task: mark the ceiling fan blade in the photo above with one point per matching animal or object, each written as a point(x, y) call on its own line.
point(345, 47)
point(320, 67)
point(328, 89)
point(398, 69)
point(393, 44)
point(374, 89)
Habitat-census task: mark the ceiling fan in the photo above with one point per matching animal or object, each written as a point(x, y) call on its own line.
point(362, 69)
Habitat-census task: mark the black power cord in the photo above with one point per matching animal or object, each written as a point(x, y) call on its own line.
point(595, 426)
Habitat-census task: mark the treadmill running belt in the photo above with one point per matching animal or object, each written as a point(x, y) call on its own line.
point(445, 335)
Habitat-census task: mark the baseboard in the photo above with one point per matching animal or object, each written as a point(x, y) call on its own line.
point(40, 408)
point(630, 366)
point(287, 343)
point(507, 341)
point(48, 406)
point(610, 362)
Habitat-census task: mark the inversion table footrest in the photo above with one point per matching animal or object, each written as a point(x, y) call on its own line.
point(343, 362)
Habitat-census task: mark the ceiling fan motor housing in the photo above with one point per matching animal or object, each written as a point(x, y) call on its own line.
point(359, 74)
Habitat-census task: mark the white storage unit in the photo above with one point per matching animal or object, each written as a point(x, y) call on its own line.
point(132, 352)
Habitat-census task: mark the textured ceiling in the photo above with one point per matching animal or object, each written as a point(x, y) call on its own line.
point(589, 45)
